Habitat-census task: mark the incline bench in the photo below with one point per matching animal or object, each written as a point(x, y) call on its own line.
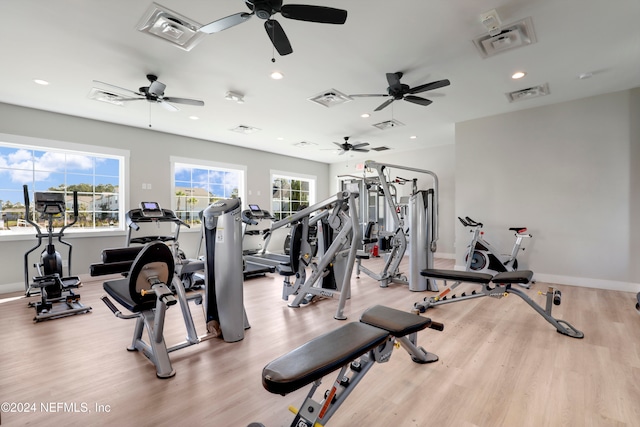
point(352, 348)
point(502, 286)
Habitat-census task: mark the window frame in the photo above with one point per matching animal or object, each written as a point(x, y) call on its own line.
point(312, 179)
point(210, 165)
point(74, 148)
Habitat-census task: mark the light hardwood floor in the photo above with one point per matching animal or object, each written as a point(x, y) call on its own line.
point(501, 364)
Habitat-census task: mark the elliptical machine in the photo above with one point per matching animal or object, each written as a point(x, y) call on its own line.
point(50, 282)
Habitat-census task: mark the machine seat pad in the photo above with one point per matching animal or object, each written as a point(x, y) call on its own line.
point(119, 290)
point(398, 323)
point(462, 276)
point(320, 356)
point(518, 276)
point(285, 270)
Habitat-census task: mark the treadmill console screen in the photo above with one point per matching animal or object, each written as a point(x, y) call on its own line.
point(151, 209)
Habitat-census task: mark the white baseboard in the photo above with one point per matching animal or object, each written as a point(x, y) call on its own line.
point(585, 282)
point(611, 285)
point(8, 288)
point(445, 255)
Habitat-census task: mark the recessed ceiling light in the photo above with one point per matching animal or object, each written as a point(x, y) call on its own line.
point(365, 115)
point(41, 82)
point(585, 76)
point(412, 137)
point(280, 138)
point(194, 117)
point(277, 75)
point(518, 75)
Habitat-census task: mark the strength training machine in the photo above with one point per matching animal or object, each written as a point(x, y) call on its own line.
point(150, 269)
point(502, 287)
point(353, 348)
point(188, 270)
point(57, 296)
point(336, 253)
point(422, 232)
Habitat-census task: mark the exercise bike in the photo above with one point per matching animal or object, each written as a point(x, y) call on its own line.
point(57, 298)
point(483, 257)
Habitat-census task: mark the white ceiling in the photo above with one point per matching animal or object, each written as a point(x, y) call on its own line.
point(71, 43)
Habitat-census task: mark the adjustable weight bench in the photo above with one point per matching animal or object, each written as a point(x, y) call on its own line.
point(352, 348)
point(502, 287)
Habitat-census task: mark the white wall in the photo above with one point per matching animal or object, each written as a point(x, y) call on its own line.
point(569, 172)
point(441, 161)
point(149, 163)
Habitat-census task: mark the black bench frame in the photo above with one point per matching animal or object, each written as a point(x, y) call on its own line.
point(502, 287)
point(353, 349)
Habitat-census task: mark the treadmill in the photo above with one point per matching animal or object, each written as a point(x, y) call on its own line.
point(251, 267)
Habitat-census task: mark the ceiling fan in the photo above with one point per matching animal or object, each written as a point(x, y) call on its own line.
point(154, 93)
point(345, 146)
point(398, 90)
point(265, 9)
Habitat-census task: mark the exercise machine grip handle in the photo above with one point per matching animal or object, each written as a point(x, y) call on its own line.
point(437, 326)
point(105, 299)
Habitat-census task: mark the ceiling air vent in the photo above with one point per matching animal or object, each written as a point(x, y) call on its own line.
point(330, 98)
point(303, 144)
point(528, 93)
point(381, 148)
point(170, 26)
point(245, 129)
point(512, 36)
point(109, 97)
point(388, 124)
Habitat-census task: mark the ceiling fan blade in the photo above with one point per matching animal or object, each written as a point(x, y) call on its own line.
point(278, 37)
point(342, 152)
point(360, 150)
point(186, 101)
point(226, 22)
point(430, 86)
point(118, 87)
point(418, 100)
point(360, 145)
point(321, 14)
point(339, 145)
point(394, 79)
point(366, 95)
point(130, 99)
point(385, 104)
point(167, 106)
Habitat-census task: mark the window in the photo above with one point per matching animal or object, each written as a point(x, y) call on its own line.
point(197, 184)
point(59, 167)
point(291, 193)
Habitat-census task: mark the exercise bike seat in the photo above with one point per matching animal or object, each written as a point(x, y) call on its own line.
point(320, 356)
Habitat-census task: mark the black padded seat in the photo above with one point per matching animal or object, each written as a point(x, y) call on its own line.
point(119, 291)
point(113, 255)
point(285, 270)
point(398, 323)
point(153, 259)
point(518, 276)
point(320, 356)
point(462, 276)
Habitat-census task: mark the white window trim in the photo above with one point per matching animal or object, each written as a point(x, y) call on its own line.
point(34, 143)
point(298, 176)
point(209, 164)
